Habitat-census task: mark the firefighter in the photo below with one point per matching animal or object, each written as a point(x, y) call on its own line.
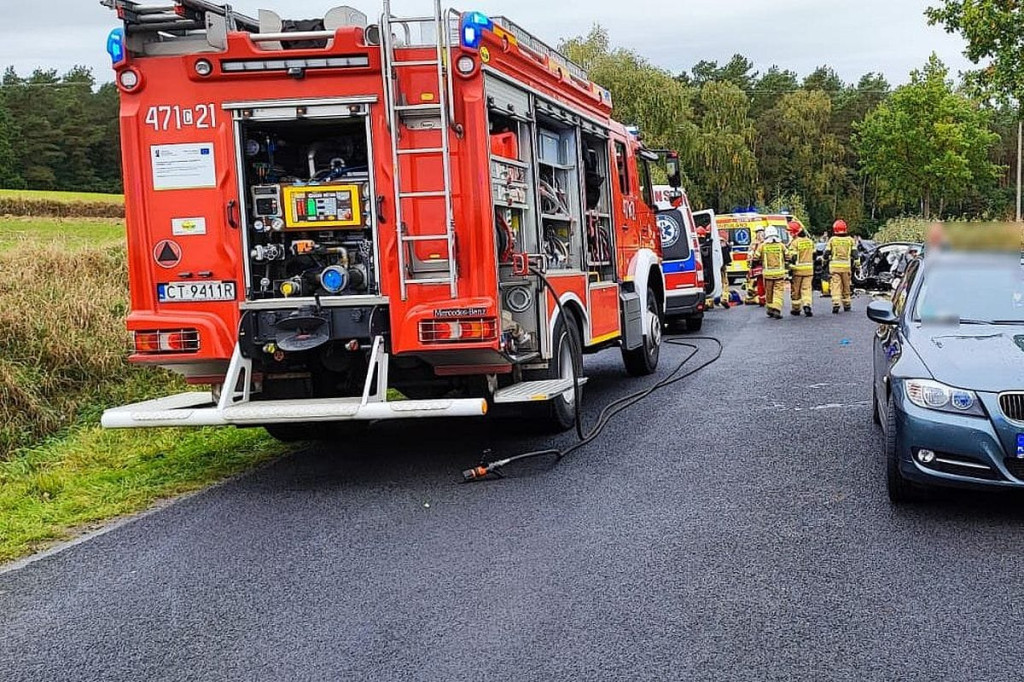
point(841, 253)
point(726, 262)
point(772, 256)
point(755, 281)
point(801, 256)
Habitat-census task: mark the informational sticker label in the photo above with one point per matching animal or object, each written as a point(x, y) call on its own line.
point(185, 227)
point(183, 166)
point(167, 253)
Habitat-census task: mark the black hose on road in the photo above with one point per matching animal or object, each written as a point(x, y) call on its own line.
point(486, 470)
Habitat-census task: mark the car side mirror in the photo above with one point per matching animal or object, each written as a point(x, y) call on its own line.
point(882, 312)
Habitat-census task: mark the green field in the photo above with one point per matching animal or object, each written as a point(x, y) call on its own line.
point(27, 233)
point(68, 197)
point(63, 359)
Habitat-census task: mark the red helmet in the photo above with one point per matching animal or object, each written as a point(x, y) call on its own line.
point(839, 227)
point(702, 231)
point(794, 227)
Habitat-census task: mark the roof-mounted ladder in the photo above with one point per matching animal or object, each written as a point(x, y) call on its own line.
point(177, 15)
point(414, 271)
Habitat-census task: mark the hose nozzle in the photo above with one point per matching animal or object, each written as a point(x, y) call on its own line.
point(475, 474)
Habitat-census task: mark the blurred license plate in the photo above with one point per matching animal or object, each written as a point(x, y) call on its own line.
point(187, 292)
point(1020, 446)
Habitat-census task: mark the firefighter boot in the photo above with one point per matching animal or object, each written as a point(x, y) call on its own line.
point(835, 310)
point(795, 312)
point(808, 312)
point(847, 307)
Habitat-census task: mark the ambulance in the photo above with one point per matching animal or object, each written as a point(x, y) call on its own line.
point(686, 287)
point(740, 230)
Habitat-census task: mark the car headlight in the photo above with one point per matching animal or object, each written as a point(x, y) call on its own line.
point(932, 395)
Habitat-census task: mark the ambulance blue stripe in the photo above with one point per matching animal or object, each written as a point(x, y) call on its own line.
point(678, 266)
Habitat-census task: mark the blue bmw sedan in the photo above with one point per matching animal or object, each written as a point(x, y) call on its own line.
point(948, 387)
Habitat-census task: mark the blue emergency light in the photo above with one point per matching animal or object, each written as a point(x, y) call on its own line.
point(473, 26)
point(115, 46)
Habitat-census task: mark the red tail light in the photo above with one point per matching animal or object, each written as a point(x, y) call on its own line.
point(147, 342)
point(458, 331)
point(160, 342)
point(175, 341)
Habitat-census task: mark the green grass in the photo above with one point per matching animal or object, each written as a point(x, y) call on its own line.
point(66, 197)
point(27, 233)
point(63, 360)
point(62, 487)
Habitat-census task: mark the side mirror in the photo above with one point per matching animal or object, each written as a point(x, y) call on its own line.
point(882, 312)
point(674, 173)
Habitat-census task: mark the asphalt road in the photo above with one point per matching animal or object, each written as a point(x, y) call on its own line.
point(733, 528)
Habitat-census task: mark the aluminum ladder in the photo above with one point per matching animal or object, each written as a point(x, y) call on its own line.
point(414, 271)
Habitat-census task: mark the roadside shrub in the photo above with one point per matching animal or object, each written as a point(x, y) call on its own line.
point(902, 230)
point(50, 208)
point(63, 347)
point(960, 234)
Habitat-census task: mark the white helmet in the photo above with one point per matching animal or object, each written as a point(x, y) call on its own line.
point(771, 233)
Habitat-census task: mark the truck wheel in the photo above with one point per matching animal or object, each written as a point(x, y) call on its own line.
point(559, 414)
point(694, 322)
point(643, 361)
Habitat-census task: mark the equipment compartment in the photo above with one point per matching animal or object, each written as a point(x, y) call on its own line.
point(309, 219)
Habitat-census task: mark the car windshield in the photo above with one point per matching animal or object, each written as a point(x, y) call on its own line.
point(984, 291)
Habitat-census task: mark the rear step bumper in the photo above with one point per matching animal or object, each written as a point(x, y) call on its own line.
point(200, 409)
point(239, 408)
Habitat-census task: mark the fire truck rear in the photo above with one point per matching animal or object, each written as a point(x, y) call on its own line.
point(335, 220)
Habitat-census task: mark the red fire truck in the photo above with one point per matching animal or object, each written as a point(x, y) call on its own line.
point(335, 220)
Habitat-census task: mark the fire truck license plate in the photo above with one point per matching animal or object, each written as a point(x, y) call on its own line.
point(187, 292)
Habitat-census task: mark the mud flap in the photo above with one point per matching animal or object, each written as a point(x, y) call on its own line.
point(632, 320)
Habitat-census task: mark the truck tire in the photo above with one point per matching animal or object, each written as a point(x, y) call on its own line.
point(693, 323)
point(643, 361)
point(559, 414)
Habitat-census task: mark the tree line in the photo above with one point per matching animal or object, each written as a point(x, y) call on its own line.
point(59, 132)
point(818, 146)
point(815, 145)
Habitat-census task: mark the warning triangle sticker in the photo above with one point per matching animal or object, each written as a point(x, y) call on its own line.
point(167, 254)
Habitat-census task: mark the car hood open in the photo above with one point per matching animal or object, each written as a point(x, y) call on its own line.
point(982, 358)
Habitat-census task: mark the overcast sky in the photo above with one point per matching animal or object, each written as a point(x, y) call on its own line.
point(852, 36)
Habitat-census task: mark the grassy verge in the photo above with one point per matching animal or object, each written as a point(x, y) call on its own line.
point(54, 490)
point(63, 359)
point(28, 232)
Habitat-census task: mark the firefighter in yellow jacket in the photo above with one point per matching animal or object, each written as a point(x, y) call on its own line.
point(841, 251)
point(772, 255)
point(801, 256)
